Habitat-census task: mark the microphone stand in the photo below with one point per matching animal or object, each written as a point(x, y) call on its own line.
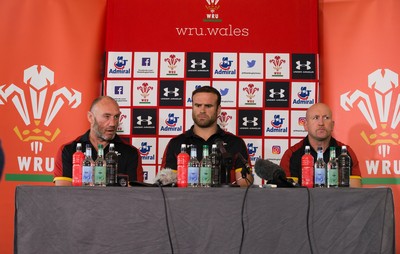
point(227, 162)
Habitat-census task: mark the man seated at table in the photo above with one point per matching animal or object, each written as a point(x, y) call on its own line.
point(103, 117)
point(319, 125)
point(206, 106)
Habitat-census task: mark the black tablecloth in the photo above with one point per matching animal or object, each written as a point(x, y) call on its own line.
point(203, 220)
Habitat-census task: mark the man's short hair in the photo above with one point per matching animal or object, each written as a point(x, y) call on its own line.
point(208, 89)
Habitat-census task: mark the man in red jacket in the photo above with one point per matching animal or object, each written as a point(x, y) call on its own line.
point(319, 125)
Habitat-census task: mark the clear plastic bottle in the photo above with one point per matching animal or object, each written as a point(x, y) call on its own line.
point(215, 158)
point(182, 167)
point(100, 168)
point(205, 168)
point(320, 170)
point(332, 169)
point(307, 169)
point(344, 162)
point(194, 168)
point(111, 166)
point(88, 167)
point(77, 160)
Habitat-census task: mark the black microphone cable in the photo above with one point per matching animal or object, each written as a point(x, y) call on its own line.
point(249, 184)
point(166, 216)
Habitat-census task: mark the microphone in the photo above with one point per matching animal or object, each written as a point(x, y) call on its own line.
point(271, 172)
point(246, 167)
point(226, 158)
point(166, 177)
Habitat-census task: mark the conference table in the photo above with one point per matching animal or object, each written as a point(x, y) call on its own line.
point(203, 220)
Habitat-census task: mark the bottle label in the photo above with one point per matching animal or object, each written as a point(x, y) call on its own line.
point(193, 175)
point(333, 177)
point(182, 175)
point(307, 177)
point(87, 175)
point(319, 176)
point(99, 175)
point(307, 171)
point(205, 176)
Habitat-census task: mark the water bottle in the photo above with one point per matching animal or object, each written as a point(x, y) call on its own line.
point(194, 168)
point(111, 166)
point(320, 169)
point(182, 167)
point(88, 167)
point(205, 168)
point(215, 158)
point(77, 160)
point(100, 168)
point(344, 162)
point(332, 169)
point(307, 169)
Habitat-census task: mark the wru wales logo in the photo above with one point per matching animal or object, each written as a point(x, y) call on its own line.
point(385, 102)
point(45, 104)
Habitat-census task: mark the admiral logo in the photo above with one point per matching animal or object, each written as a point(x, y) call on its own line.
point(303, 97)
point(145, 89)
point(277, 124)
point(303, 66)
point(225, 67)
point(172, 61)
point(46, 102)
point(120, 65)
point(171, 123)
point(252, 150)
point(277, 66)
point(144, 150)
point(383, 85)
point(250, 93)
point(212, 15)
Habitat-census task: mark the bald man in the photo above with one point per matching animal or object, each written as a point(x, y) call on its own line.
point(103, 117)
point(319, 125)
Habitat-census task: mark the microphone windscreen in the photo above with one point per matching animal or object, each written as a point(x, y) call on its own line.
point(166, 176)
point(266, 169)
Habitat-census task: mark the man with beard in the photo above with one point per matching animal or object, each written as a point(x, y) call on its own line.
point(319, 125)
point(103, 117)
point(206, 106)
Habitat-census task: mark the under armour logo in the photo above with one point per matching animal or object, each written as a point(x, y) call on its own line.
point(300, 65)
point(174, 92)
point(142, 120)
point(247, 121)
point(202, 63)
point(272, 93)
